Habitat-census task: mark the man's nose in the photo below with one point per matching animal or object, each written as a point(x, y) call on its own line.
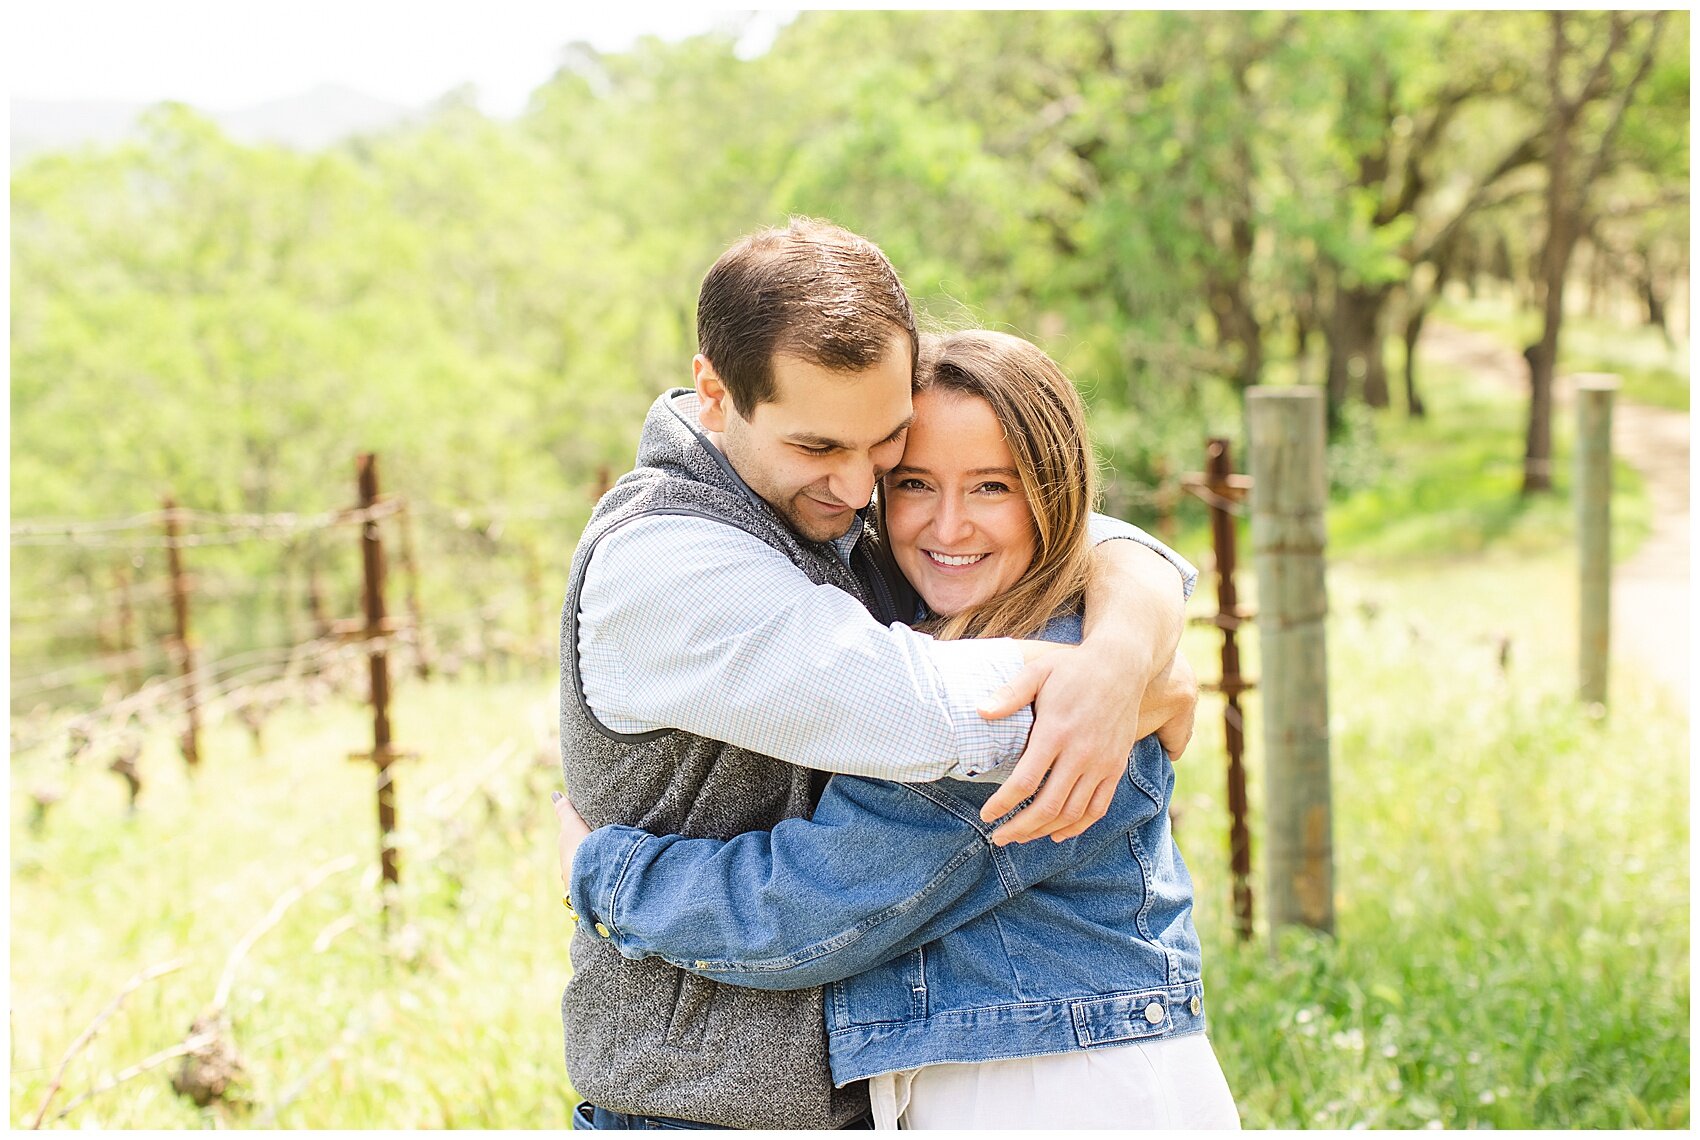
point(853, 482)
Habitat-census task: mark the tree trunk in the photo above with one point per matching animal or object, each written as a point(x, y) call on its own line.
point(1537, 450)
point(1555, 258)
point(1413, 329)
point(1647, 284)
point(1305, 324)
point(1237, 324)
point(1567, 201)
point(1500, 265)
point(1355, 349)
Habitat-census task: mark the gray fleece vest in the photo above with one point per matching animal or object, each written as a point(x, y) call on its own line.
point(644, 1037)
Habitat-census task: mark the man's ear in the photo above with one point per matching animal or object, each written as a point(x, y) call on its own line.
point(714, 402)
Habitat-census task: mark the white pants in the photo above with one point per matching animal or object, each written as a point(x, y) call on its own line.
point(1170, 1082)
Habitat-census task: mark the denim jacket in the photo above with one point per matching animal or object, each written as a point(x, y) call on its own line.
point(936, 946)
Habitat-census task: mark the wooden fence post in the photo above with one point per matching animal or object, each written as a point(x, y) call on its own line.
point(1595, 393)
point(180, 647)
point(383, 753)
point(1218, 472)
point(1288, 530)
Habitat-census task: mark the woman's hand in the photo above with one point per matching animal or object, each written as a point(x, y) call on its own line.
point(573, 832)
point(1170, 706)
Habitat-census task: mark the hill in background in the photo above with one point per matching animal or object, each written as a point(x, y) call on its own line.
point(313, 119)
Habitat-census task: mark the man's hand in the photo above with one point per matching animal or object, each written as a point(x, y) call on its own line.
point(573, 832)
point(1084, 754)
point(1088, 700)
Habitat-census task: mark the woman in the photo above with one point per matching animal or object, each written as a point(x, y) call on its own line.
point(1040, 985)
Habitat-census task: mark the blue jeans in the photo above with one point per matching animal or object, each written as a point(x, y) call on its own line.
point(588, 1117)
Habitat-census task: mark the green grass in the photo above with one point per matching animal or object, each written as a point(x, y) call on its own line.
point(1511, 877)
point(449, 1022)
point(1450, 484)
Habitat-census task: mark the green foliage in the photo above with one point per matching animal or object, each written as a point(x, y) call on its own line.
point(1449, 484)
point(1651, 370)
point(1154, 197)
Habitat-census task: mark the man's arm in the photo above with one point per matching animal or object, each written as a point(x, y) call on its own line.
point(880, 869)
point(692, 624)
point(1125, 680)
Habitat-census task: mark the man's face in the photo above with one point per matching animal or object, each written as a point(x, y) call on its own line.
point(815, 452)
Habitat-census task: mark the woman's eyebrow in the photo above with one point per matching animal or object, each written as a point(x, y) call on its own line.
point(911, 469)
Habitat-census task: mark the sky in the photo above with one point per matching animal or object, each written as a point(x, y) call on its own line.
point(231, 54)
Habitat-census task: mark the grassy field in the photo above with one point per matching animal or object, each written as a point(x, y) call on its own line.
point(1511, 873)
point(1447, 487)
point(1653, 370)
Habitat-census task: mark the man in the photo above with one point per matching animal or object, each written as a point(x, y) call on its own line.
point(724, 610)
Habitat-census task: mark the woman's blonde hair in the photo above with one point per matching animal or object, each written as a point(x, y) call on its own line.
point(1044, 423)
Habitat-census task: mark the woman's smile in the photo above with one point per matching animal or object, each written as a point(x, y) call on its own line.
point(953, 560)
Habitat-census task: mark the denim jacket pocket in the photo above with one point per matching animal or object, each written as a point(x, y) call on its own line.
point(887, 994)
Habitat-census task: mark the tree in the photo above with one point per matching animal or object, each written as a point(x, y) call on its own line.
point(1583, 75)
point(1426, 130)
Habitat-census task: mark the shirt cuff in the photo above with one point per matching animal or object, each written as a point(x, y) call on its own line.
point(599, 867)
point(973, 670)
point(1103, 528)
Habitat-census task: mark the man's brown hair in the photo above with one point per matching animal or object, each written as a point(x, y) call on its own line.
point(812, 290)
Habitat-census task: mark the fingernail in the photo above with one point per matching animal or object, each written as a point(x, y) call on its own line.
point(557, 797)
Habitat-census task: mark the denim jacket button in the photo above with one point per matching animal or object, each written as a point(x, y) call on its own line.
point(602, 930)
point(1154, 1013)
point(1196, 1006)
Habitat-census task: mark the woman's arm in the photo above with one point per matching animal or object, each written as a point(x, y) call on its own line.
point(880, 869)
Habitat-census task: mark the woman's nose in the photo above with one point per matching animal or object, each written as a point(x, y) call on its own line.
point(952, 523)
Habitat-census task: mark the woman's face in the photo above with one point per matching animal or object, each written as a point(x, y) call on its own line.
point(956, 513)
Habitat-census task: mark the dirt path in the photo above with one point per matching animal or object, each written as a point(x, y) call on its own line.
point(1650, 591)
